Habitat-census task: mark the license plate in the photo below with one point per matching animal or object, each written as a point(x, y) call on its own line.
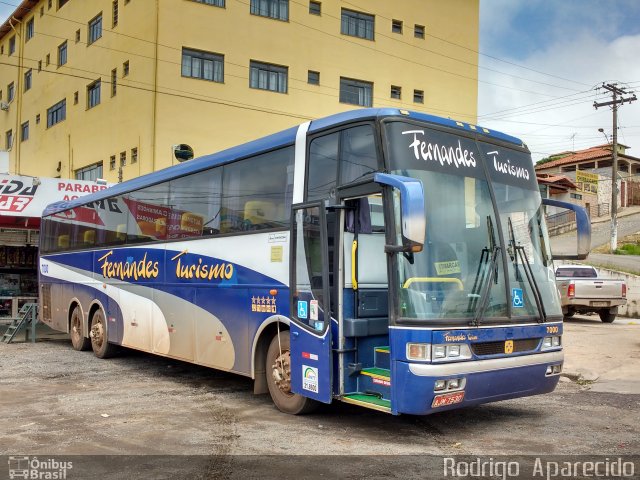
point(447, 399)
point(599, 304)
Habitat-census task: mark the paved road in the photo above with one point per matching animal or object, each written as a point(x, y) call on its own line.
point(601, 235)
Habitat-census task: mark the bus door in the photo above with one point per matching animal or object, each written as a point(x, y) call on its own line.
point(310, 329)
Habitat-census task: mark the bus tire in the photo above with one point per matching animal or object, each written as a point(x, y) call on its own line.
point(278, 373)
point(99, 337)
point(79, 341)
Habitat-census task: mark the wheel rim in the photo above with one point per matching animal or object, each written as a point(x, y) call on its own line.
point(281, 373)
point(76, 328)
point(97, 332)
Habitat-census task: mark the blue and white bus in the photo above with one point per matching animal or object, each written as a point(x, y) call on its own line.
point(390, 259)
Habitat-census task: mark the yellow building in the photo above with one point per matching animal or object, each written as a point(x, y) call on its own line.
point(90, 86)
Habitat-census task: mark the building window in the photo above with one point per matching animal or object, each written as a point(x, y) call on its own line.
point(39, 65)
point(77, 35)
point(396, 92)
point(75, 98)
point(38, 119)
point(11, 91)
point(12, 45)
point(215, 3)
point(203, 65)
point(95, 29)
point(27, 80)
point(8, 138)
point(357, 24)
point(112, 162)
point(356, 92)
point(47, 59)
point(56, 113)
point(24, 131)
point(114, 9)
point(418, 96)
point(30, 29)
point(123, 159)
point(62, 54)
point(313, 77)
point(278, 9)
point(125, 68)
point(93, 94)
point(134, 154)
point(418, 31)
point(396, 26)
point(61, 3)
point(41, 11)
point(91, 173)
point(315, 8)
point(265, 76)
point(48, 4)
point(114, 82)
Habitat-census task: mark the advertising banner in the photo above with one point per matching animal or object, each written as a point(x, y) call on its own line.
point(23, 196)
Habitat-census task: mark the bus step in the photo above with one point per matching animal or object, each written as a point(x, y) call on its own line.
point(382, 355)
point(378, 373)
point(368, 401)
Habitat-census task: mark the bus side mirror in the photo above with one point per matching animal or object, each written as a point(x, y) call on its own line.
point(412, 212)
point(569, 229)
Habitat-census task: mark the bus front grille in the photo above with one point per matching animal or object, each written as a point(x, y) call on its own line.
point(496, 348)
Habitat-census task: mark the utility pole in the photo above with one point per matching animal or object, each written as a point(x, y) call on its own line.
point(615, 93)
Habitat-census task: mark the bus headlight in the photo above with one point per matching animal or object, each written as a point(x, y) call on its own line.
point(551, 342)
point(451, 352)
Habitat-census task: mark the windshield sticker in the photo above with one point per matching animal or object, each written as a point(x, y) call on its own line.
point(517, 300)
point(425, 150)
point(447, 268)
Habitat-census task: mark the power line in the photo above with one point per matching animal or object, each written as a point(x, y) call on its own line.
point(476, 65)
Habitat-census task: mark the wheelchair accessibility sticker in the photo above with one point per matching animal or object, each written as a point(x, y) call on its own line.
point(517, 300)
point(302, 309)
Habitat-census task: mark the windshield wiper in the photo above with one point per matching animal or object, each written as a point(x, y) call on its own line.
point(518, 251)
point(484, 276)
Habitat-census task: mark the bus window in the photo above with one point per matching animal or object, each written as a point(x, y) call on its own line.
point(358, 155)
point(195, 202)
point(257, 192)
point(149, 214)
point(323, 167)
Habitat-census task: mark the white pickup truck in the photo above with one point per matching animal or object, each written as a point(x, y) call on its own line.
point(581, 291)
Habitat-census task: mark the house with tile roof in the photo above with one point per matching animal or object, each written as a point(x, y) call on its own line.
point(590, 171)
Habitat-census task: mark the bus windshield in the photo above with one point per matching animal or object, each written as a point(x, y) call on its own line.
point(483, 260)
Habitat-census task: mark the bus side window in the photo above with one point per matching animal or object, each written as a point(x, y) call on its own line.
point(257, 193)
point(323, 167)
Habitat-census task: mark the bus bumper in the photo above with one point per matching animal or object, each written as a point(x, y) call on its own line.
point(482, 381)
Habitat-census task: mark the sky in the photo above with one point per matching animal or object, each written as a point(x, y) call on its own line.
point(540, 64)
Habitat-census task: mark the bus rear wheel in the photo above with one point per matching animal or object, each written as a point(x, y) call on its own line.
point(99, 338)
point(76, 331)
point(278, 372)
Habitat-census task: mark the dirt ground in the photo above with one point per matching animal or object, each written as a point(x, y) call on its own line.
point(57, 401)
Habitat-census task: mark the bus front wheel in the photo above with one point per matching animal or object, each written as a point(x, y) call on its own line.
point(99, 338)
point(76, 331)
point(278, 372)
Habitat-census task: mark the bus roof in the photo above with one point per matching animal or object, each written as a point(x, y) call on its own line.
point(270, 142)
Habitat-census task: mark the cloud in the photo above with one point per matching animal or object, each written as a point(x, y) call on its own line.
point(554, 113)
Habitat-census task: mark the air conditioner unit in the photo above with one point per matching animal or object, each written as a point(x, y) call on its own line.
point(4, 106)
